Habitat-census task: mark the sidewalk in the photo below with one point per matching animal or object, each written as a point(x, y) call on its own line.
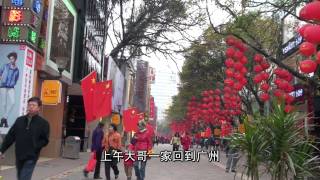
point(48, 167)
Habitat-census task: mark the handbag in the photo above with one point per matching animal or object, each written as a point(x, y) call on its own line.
point(91, 163)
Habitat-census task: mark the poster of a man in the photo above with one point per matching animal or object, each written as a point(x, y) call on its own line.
point(9, 75)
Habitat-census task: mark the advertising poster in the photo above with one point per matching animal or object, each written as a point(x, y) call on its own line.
point(16, 82)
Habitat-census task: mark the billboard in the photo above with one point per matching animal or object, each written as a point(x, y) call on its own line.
point(141, 86)
point(117, 78)
point(16, 82)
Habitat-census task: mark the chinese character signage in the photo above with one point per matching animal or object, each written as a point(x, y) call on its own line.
point(51, 92)
point(16, 82)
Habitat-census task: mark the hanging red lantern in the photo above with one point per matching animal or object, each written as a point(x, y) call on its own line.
point(288, 108)
point(257, 68)
point(229, 82)
point(303, 28)
point(238, 55)
point(238, 66)
point(238, 76)
point(265, 87)
point(307, 49)
point(283, 85)
point(244, 81)
point(289, 89)
point(311, 34)
point(307, 66)
point(264, 97)
point(211, 92)
point(230, 40)
point(244, 60)
point(217, 91)
point(278, 93)
point(318, 55)
point(265, 75)
point(311, 11)
point(289, 77)
point(265, 65)
point(229, 63)
point(229, 72)
point(244, 70)
point(277, 71)
point(257, 79)
point(237, 86)
point(230, 52)
point(258, 58)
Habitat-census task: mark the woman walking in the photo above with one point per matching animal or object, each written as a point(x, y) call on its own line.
point(176, 142)
point(111, 143)
point(142, 143)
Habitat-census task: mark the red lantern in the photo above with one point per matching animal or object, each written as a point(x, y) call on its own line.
point(288, 108)
point(230, 40)
point(265, 87)
point(308, 66)
point(244, 70)
point(257, 68)
point(257, 79)
point(265, 76)
point(229, 72)
point(277, 93)
point(283, 85)
point(264, 97)
point(307, 49)
point(230, 52)
point(237, 76)
point(277, 71)
point(237, 86)
point(238, 55)
point(289, 77)
point(238, 66)
point(311, 11)
point(258, 58)
point(303, 28)
point(311, 34)
point(244, 60)
point(289, 89)
point(217, 91)
point(244, 81)
point(229, 63)
point(265, 65)
point(229, 82)
point(318, 55)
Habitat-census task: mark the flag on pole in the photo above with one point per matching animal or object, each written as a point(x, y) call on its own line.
point(130, 119)
point(102, 100)
point(87, 86)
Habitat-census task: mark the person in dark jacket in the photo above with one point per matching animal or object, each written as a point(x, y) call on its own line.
point(97, 137)
point(31, 134)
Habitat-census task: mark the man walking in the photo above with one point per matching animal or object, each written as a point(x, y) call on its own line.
point(31, 134)
point(96, 147)
point(9, 75)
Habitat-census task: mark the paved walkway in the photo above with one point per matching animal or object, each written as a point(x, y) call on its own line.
point(68, 169)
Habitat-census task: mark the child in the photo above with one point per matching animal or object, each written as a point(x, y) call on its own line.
point(128, 161)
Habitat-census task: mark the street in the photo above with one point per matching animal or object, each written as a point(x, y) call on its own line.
point(66, 169)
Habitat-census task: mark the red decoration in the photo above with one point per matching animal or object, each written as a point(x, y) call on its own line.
point(258, 58)
point(311, 34)
point(102, 99)
point(277, 93)
point(238, 55)
point(307, 49)
point(244, 70)
point(230, 52)
point(244, 60)
point(303, 28)
point(229, 63)
point(244, 81)
point(237, 86)
point(238, 66)
point(264, 97)
point(229, 72)
point(265, 65)
point(257, 68)
point(230, 40)
point(265, 75)
point(318, 55)
point(238, 76)
point(257, 79)
point(311, 11)
point(289, 99)
point(265, 87)
point(87, 86)
point(229, 82)
point(288, 108)
point(307, 66)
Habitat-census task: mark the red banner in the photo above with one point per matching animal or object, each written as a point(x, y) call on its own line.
point(87, 86)
point(152, 106)
point(102, 99)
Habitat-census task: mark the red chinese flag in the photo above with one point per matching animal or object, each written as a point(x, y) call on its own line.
point(87, 86)
point(130, 120)
point(103, 99)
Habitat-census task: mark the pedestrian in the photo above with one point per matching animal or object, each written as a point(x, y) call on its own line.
point(176, 142)
point(186, 142)
point(9, 75)
point(142, 144)
point(233, 158)
point(96, 147)
point(129, 160)
point(112, 144)
point(30, 134)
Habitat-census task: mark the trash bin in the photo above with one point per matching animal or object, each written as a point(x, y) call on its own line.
point(71, 148)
